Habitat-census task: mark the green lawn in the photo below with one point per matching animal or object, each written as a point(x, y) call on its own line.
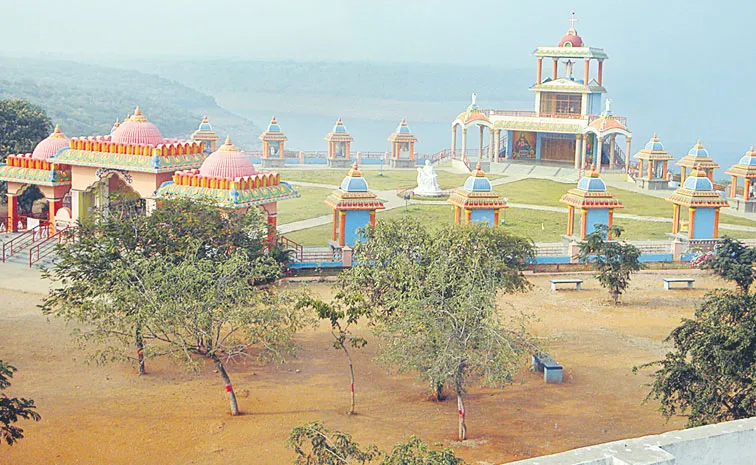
point(309, 205)
point(391, 179)
point(548, 193)
point(540, 226)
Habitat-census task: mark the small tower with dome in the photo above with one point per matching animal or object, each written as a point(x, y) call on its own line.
point(746, 169)
point(697, 194)
point(354, 207)
point(273, 155)
point(652, 166)
point(402, 147)
point(206, 135)
point(595, 204)
point(476, 201)
point(339, 146)
point(697, 158)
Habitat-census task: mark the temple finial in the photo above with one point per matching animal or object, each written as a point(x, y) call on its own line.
point(137, 112)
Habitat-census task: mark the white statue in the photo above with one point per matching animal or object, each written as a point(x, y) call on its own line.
point(427, 181)
point(608, 105)
point(474, 98)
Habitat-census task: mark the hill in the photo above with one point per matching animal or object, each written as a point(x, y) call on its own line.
point(85, 99)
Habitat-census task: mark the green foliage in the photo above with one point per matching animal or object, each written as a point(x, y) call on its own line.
point(13, 409)
point(22, 126)
point(733, 261)
point(313, 444)
point(432, 299)
point(710, 375)
point(613, 261)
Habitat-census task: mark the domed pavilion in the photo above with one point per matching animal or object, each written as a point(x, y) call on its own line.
point(476, 201)
point(206, 135)
point(402, 147)
point(339, 142)
point(40, 169)
point(354, 207)
point(697, 158)
point(596, 206)
point(273, 146)
point(655, 159)
point(703, 202)
point(229, 179)
point(746, 169)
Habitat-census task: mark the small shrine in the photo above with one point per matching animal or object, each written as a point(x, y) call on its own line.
point(697, 158)
point(402, 147)
point(746, 169)
point(273, 146)
point(204, 134)
point(476, 201)
point(354, 207)
point(595, 203)
point(229, 179)
point(339, 142)
point(39, 168)
point(474, 116)
point(703, 202)
point(655, 159)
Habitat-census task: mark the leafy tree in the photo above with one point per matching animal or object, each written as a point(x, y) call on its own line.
point(22, 126)
point(342, 314)
point(85, 268)
point(13, 409)
point(710, 375)
point(432, 298)
point(733, 261)
point(315, 445)
point(613, 261)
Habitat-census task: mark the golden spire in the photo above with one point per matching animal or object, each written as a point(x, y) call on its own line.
point(57, 134)
point(228, 146)
point(355, 172)
point(205, 120)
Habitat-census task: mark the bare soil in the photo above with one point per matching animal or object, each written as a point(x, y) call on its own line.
point(106, 414)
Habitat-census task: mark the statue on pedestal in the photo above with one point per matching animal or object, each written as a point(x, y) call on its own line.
point(427, 181)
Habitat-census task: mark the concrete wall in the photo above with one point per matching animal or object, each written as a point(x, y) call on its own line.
point(730, 443)
point(355, 220)
point(704, 223)
point(483, 216)
point(596, 216)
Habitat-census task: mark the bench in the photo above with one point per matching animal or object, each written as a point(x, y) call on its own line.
point(552, 371)
point(577, 282)
point(668, 281)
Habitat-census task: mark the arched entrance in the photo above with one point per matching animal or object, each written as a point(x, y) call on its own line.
point(110, 194)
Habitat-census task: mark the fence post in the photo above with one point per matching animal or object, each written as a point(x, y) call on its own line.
point(301, 158)
point(573, 249)
point(346, 256)
point(677, 249)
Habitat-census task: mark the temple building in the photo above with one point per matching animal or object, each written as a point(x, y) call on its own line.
point(37, 170)
point(476, 201)
point(273, 146)
point(703, 203)
point(653, 162)
point(229, 179)
point(595, 204)
point(402, 147)
point(567, 125)
point(204, 134)
point(746, 169)
point(339, 146)
point(354, 207)
point(697, 158)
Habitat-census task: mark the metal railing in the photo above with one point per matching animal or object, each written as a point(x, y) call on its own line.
point(25, 239)
point(286, 243)
point(45, 248)
point(535, 114)
point(551, 249)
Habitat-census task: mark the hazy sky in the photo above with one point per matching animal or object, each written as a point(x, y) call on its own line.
point(495, 31)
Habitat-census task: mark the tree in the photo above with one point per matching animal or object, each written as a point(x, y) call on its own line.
point(313, 444)
point(342, 314)
point(613, 261)
point(13, 409)
point(432, 297)
point(710, 375)
point(733, 261)
point(22, 126)
point(84, 271)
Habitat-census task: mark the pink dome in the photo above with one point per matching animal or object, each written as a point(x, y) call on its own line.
point(50, 146)
point(227, 163)
point(137, 130)
point(571, 39)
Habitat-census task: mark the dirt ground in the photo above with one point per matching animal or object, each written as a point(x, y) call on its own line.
point(107, 414)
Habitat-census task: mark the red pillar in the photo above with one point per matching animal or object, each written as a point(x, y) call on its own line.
point(583, 225)
point(600, 72)
point(53, 205)
point(372, 218)
point(716, 223)
point(272, 220)
point(556, 63)
point(539, 73)
point(496, 218)
point(12, 212)
point(342, 228)
point(468, 215)
point(335, 224)
point(587, 71)
point(691, 222)
point(570, 220)
point(747, 189)
point(609, 223)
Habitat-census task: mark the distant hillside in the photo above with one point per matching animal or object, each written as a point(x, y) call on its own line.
point(86, 99)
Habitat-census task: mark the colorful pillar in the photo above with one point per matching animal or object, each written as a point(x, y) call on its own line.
point(587, 71)
point(691, 221)
point(570, 220)
point(600, 72)
point(372, 218)
point(746, 189)
point(342, 227)
point(496, 218)
point(53, 205)
point(716, 223)
point(556, 64)
point(12, 212)
point(468, 216)
point(583, 223)
point(540, 71)
point(734, 187)
point(609, 223)
point(675, 219)
point(335, 225)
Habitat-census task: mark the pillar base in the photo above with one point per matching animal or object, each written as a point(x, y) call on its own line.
point(652, 185)
point(745, 206)
point(340, 163)
point(273, 163)
point(402, 163)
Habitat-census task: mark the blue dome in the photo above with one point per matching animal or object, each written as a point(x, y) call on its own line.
point(403, 128)
point(698, 183)
point(654, 145)
point(205, 125)
point(339, 128)
point(698, 150)
point(354, 184)
point(478, 184)
point(273, 126)
point(749, 159)
point(591, 184)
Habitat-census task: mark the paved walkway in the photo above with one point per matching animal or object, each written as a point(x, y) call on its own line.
point(19, 277)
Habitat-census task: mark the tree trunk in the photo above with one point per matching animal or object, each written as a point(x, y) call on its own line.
point(438, 392)
point(229, 388)
point(351, 378)
point(140, 349)
point(462, 427)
